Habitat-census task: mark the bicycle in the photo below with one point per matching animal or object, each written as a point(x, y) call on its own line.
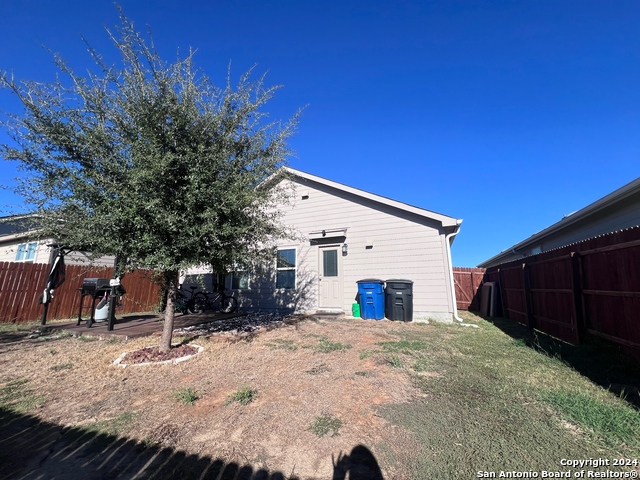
point(186, 305)
point(219, 301)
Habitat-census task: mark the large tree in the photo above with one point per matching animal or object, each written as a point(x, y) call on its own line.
point(151, 162)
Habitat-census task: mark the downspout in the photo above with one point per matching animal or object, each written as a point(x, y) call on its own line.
point(448, 239)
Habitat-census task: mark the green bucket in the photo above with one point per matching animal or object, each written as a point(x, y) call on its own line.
point(355, 310)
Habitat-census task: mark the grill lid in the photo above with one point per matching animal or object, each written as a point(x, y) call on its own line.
point(95, 284)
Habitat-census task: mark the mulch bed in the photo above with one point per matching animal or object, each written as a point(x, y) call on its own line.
point(230, 326)
point(153, 354)
point(236, 325)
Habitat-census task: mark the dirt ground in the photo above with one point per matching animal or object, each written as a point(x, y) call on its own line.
point(315, 368)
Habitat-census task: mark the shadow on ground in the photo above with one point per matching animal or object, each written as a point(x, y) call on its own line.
point(602, 362)
point(31, 448)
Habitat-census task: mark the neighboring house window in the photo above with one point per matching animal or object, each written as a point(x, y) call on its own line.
point(26, 252)
point(240, 280)
point(286, 268)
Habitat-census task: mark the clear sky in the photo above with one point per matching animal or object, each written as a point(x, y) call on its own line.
point(507, 114)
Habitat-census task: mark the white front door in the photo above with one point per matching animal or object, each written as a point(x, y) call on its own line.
point(330, 277)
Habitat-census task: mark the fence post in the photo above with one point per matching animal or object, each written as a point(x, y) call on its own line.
point(527, 296)
point(503, 296)
point(579, 322)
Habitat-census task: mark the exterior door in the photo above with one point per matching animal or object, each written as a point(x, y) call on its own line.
point(330, 278)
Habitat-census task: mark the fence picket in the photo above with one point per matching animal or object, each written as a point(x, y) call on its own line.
point(22, 283)
point(591, 286)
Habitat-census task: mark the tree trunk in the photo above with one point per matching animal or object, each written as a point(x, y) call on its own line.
point(172, 279)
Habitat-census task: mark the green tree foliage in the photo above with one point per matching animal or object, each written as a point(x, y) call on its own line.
point(151, 161)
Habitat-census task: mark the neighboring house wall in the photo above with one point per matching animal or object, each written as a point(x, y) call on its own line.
point(383, 242)
point(9, 249)
point(616, 211)
point(623, 215)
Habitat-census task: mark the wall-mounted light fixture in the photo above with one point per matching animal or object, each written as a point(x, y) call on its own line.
point(345, 248)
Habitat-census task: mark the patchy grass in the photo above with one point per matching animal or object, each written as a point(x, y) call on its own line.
point(87, 338)
point(324, 424)
point(404, 346)
point(616, 423)
point(494, 403)
point(123, 423)
point(16, 327)
point(460, 401)
point(62, 366)
point(16, 397)
point(244, 396)
point(325, 345)
point(319, 369)
point(185, 395)
point(282, 344)
point(394, 361)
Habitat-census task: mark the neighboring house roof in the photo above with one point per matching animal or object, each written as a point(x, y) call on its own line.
point(588, 216)
point(14, 227)
point(445, 220)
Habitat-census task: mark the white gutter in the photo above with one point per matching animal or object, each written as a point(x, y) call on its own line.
point(448, 239)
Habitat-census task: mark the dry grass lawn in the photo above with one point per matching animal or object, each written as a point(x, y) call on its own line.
point(299, 373)
point(429, 401)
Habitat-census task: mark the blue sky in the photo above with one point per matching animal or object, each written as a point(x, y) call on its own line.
point(507, 114)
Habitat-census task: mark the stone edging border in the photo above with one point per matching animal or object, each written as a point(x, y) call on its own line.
point(118, 361)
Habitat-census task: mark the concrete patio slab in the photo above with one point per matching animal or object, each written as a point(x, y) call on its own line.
point(138, 325)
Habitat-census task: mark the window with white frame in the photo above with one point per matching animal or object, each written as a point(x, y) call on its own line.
point(286, 268)
point(26, 252)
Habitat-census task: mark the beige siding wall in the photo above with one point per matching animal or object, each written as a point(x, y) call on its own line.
point(8, 254)
point(8, 251)
point(404, 246)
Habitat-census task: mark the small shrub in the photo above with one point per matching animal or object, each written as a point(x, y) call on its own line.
point(324, 424)
point(185, 395)
point(244, 396)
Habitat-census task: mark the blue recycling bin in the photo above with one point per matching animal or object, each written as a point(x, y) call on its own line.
point(371, 298)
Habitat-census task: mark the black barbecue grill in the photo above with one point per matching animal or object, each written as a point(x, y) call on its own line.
point(97, 288)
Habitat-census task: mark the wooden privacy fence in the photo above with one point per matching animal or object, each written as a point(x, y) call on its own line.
point(22, 283)
point(467, 282)
point(591, 287)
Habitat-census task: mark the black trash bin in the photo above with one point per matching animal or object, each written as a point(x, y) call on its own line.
point(398, 300)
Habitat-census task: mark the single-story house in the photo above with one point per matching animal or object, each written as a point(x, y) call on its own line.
point(18, 245)
point(618, 210)
point(345, 235)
